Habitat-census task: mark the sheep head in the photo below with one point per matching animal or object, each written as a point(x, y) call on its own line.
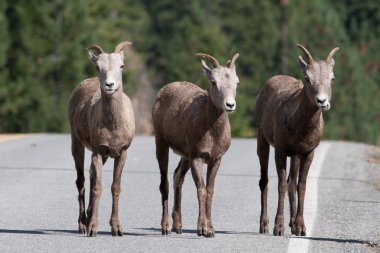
point(109, 66)
point(223, 80)
point(318, 78)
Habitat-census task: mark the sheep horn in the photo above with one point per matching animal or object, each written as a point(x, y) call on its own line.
point(231, 63)
point(211, 59)
point(307, 54)
point(96, 49)
point(122, 45)
point(331, 54)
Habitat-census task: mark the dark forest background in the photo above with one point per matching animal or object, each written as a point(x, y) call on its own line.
point(43, 57)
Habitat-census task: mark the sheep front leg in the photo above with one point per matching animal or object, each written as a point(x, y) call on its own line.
point(119, 162)
point(299, 224)
point(95, 192)
point(292, 187)
point(196, 171)
point(212, 170)
point(282, 188)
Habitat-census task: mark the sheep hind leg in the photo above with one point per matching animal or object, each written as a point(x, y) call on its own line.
point(116, 228)
point(292, 188)
point(162, 153)
point(178, 178)
point(299, 227)
point(263, 153)
point(78, 155)
point(280, 158)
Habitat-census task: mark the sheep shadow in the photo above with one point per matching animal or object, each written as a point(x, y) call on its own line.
point(46, 232)
point(339, 240)
point(156, 232)
point(193, 231)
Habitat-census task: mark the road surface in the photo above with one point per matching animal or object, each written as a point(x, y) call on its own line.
point(39, 205)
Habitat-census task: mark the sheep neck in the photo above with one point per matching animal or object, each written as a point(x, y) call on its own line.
point(112, 109)
point(306, 115)
point(215, 117)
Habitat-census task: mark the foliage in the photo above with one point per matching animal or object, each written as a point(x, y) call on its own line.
point(43, 57)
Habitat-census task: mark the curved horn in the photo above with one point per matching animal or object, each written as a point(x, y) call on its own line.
point(211, 59)
point(121, 46)
point(307, 54)
point(96, 49)
point(231, 63)
point(331, 54)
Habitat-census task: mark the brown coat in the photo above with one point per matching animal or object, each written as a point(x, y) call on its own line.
point(187, 119)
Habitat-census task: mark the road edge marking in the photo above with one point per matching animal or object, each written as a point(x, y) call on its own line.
point(301, 244)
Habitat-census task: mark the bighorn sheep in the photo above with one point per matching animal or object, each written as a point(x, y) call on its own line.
point(289, 117)
point(194, 124)
point(102, 120)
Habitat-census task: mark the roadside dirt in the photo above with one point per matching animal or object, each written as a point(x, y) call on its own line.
point(375, 159)
point(11, 137)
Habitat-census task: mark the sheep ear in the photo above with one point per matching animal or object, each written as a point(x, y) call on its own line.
point(332, 62)
point(302, 63)
point(94, 51)
point(93, 56)
point(206, 70)
point(122, 54)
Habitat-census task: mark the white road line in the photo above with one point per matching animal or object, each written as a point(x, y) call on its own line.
point(311, 200)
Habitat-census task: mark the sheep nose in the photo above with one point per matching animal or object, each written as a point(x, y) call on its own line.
point(321, 101)
point(230, 106)
point(109, 85)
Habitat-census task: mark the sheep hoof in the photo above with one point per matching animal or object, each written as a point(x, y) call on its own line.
point(202, 231)
point(165, 231)
point(299, 231)
point(264, 230)
point(211, 234)
point(92, 229)
point(177, 230)
point(278, 231)
point(82, 229)
point(92, 233)
point(116, 231)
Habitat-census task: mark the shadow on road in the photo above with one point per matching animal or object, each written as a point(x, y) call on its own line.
point(193, 231)
point(45, 232)
point(157, 232)
point(339, 240)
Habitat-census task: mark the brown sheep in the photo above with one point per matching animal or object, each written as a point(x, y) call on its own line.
point(289, 117)
point(102, 120)
point(195, 125)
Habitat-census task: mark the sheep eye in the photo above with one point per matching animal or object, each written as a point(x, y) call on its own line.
point(122, 66)
point(332, 80)
point(213, 82)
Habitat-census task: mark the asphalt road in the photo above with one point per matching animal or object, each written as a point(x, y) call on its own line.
point(39, 208)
